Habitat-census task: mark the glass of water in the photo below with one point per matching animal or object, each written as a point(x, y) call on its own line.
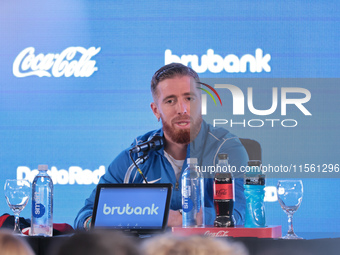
point(17, 193)
point(289, 193)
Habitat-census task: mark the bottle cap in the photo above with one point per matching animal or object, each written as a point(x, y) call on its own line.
point(222, 156)
point(192, 161)
point(223, 176)
point(254, 163)
point(259, 179)
point(42, 167)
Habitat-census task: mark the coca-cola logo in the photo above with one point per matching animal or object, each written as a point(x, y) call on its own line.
point(222, 192)
point(216, 234)
point(57, 65)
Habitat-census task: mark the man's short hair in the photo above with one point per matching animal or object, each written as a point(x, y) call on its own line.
point(170, 71)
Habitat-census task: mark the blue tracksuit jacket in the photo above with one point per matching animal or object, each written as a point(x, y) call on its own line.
point(207, 145)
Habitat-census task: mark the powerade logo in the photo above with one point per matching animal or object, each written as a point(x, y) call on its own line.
point(215, 63)
point(147, 210)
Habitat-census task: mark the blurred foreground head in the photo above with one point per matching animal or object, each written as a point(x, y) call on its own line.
point(13, 245)
point(98, 242)
point(194, 245)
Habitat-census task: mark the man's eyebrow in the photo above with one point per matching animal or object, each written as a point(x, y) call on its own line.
point(168, 97)
point(189, 94)
point(174, 96)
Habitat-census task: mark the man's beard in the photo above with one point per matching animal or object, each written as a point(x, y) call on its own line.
point(182, 136)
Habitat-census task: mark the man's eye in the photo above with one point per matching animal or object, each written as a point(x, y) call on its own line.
point(190, 98)
point(170, 101)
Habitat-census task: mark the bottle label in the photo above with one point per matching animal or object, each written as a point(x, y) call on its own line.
point(187, 205)
point(38, 210)
point(186, 192)
point(223, 191)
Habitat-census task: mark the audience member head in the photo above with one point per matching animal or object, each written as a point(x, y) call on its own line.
point(194, 245)
point(13, 245)
point(98, 242)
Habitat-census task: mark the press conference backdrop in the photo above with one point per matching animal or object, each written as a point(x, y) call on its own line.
point(75, 79)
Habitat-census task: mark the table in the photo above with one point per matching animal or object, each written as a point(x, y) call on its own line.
point(256, 246)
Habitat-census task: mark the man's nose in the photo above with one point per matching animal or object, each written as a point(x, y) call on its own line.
point(182, 107)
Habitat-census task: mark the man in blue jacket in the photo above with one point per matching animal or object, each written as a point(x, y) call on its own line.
point(177, 103)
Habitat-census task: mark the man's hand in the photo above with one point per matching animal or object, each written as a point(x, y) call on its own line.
point(175, 219)
point(87, 223)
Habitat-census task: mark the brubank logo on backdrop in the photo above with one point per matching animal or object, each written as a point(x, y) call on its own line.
point(216, 63)
point(74, 61)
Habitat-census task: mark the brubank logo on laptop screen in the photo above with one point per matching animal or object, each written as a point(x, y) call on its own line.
point(131, 207)
point(114, 210)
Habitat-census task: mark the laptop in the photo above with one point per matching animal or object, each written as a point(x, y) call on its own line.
point(133, 208)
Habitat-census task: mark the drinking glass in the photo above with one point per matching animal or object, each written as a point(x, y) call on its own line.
point(290, 194)
point(17, 193)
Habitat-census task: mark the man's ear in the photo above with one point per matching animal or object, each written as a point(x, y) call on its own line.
point(155, 110)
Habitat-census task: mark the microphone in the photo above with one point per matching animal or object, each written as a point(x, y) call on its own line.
point(154, 144)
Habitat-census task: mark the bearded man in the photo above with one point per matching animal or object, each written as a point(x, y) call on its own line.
point(177, 103)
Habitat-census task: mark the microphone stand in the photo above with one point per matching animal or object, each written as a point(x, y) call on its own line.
point(135, 164)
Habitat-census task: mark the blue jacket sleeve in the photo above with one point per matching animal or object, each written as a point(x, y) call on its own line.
point(114, 174)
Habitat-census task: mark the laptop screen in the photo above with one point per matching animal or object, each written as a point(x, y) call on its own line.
point(139, 208)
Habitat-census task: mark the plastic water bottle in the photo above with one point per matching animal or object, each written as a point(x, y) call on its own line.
point(192, 195)
point(224, 195)
point(42, 203)
point(254, 183)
